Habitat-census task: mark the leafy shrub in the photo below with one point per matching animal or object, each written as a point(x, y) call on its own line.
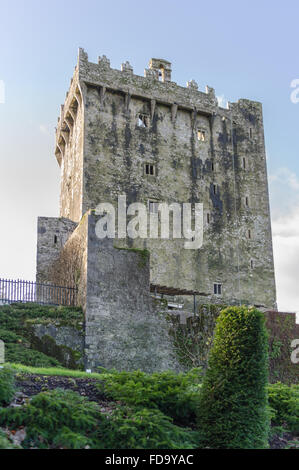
point(10, 337)
point(13, 317)
point(17, 337)
point(14, 331)
point(232, 409)
point(5, 442)
point(131, 428)
point(61, 418)
point(18, 354)
point(174, 394)
point(284, 402)
point(65, 419)
point(7, 388)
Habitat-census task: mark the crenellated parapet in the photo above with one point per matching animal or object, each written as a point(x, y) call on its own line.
point(155, 83)
point(155, 87)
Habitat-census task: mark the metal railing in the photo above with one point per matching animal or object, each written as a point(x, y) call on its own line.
point(12, 291)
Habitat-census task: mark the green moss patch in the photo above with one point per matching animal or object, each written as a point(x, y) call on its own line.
point(21, 345)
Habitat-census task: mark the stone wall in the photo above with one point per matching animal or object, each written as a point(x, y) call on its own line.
point(64, 343)
point(52, 234)
point(123, 326)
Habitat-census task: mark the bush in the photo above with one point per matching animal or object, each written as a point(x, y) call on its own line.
point(176, 395)
point(131, 428)
point(18, 354)
point(233, 399)
point(64, 419)
point(13, 317)
point(5, 443)
point(7, 388)
point(56, 418)
point(10, 337)
point(284, 402)
point(16, 331)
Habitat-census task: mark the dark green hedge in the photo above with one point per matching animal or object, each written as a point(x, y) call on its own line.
point(232, 409)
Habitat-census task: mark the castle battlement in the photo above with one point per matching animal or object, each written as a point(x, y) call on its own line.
point(155, 87)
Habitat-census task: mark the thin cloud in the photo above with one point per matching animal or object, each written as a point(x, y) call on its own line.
point(285, 176)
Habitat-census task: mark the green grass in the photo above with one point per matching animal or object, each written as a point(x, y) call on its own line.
point(56, 371)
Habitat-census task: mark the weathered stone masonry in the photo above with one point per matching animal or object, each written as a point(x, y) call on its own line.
point(200, 153)
point(123, 326)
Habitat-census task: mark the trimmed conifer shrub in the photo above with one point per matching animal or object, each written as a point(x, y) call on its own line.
point(233, 411)
point(7, 388)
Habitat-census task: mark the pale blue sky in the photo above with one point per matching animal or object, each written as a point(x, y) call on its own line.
point(243, 49)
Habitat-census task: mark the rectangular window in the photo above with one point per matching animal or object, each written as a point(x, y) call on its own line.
point(150, 169)
point(217, 289)
point(201, 135)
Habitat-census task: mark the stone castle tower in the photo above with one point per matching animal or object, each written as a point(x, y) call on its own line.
point(154, 141)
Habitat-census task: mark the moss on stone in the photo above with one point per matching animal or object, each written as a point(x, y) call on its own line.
point(144, 254)
point(17, 322)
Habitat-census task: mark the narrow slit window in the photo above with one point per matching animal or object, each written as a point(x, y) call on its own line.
point(208, 218)
point(249, 234)
point(214, 188)
point(250, 132)
point(217, 289)
point(244, 164)
point(201, 135)
point(212, 166)
point(150, 169)
point(247, 201)
point(55, 239)
point(251, 264)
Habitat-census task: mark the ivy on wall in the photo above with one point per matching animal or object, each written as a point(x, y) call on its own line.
point(193, 341)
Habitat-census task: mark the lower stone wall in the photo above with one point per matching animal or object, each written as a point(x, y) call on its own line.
point(124, 328)
point(64, 343)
